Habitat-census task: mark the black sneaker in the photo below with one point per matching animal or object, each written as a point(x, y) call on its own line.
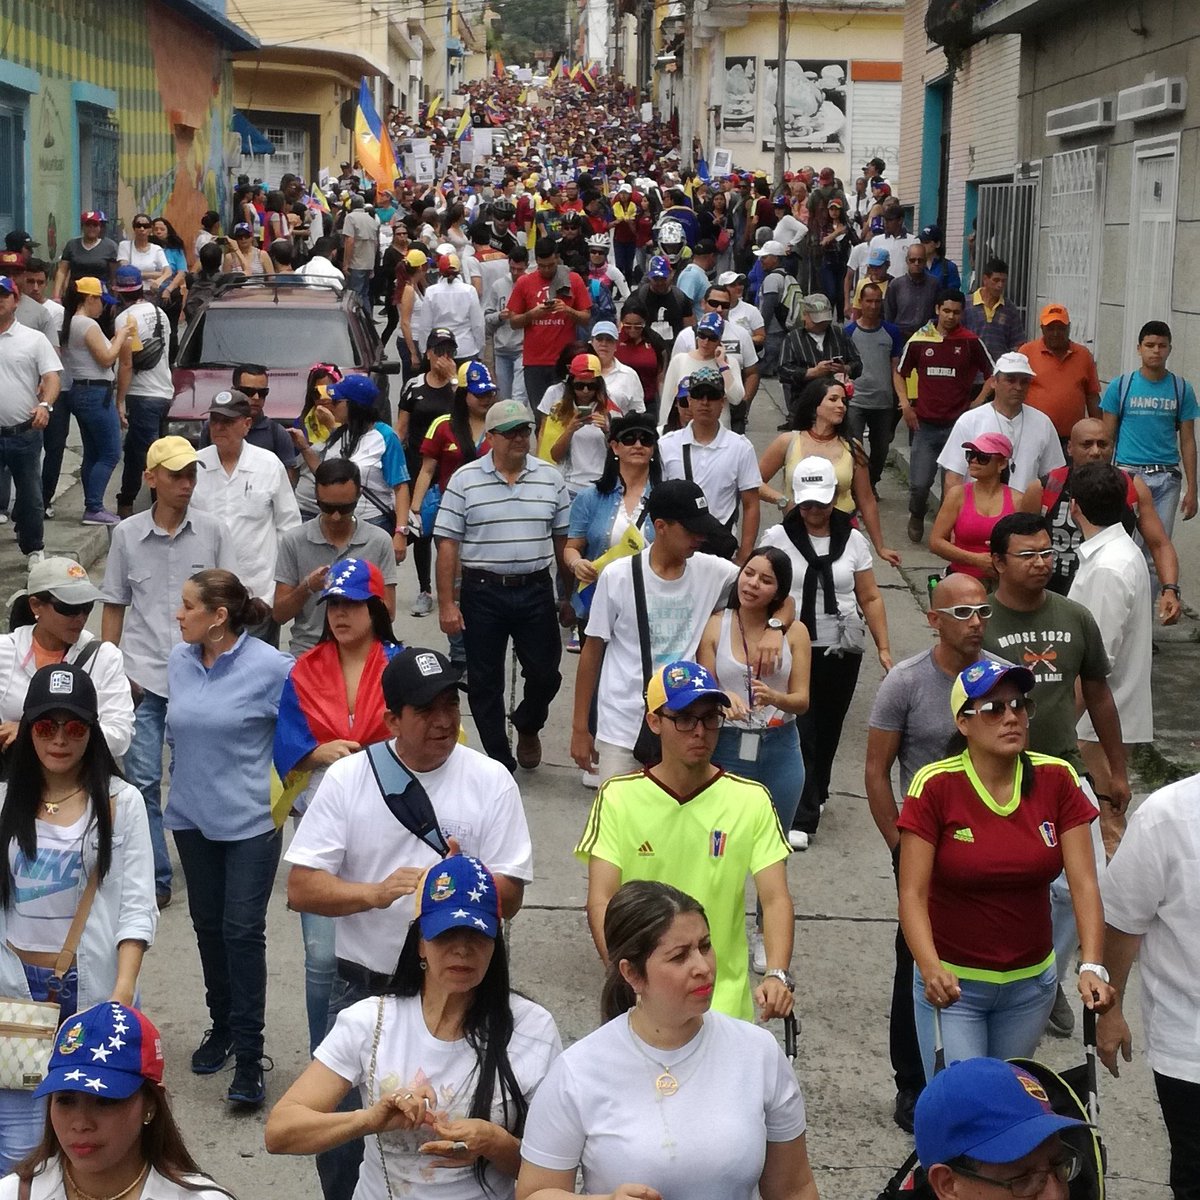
point(248, 1088)
point(212, 1053)
point(906, 1103)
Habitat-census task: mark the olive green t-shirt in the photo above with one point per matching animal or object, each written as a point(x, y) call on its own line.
point(1059, 642)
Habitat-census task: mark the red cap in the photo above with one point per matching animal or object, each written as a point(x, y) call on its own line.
point(827, 175)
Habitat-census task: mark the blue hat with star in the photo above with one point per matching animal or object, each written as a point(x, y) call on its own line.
point(458, 893)
point(107, 1050)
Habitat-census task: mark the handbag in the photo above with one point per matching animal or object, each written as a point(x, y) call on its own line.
point(648, 747)
point(27, 1027)
point(147, 358)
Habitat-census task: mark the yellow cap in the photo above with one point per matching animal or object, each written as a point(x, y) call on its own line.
point(416, 258)
point(174, 453)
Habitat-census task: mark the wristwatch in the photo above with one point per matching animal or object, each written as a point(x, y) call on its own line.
point(1171, 587)
point(784, 978)
point(1096, 969)
point(50, 408)
point(775, 623)
point(781, 503)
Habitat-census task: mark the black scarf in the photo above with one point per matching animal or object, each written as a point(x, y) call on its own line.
point(820, 565)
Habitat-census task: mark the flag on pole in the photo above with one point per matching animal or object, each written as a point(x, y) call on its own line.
point(522, 97)
point(499, 66)
point(371, 140)
point(433, 106)
point(586, 82)
point(555, 71)
point(316, 199)
point(464, 123)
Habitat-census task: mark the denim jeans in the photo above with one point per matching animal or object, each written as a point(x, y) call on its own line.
point(993, 1020)
point(146, 416)
point(624, 254)
point(229, 885)
point(143, 768)
point(927, 443)
point(510, 376)
point(1165, 488)
point(879, 424)
point(492, 615)
point(54, 442)
point(1179, 1100)
point(360, 284)
point(21, 454)
point(779, 765)
point(320, 971)
point(537, 380)
point(1064, 932)
point(100, 430)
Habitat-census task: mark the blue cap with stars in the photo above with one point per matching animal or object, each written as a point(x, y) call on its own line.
point(458, 893)
point(107, 1050)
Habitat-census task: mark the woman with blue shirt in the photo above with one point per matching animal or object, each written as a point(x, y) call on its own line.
point(223, 693)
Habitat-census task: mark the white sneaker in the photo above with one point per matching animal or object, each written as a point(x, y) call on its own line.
point(423, 605)
point(3, 517)
point(590, 779)
point(36, 556)
point(798, 839)
point(758, 952)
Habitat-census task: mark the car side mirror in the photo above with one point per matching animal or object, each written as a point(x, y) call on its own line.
point(389, 367)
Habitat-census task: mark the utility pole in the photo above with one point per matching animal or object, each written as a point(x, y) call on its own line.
point(779, 164)
point(683, 72)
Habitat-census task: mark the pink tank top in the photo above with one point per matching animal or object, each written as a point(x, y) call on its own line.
point(972, 529)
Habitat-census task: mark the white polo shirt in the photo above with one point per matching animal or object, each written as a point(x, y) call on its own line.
point(25, 356)
point(255, 504)
point(724, 468)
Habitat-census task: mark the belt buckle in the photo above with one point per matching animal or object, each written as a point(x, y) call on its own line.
point(511, 581)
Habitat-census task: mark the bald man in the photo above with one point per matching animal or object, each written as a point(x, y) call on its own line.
point(1051, 496)
point(910, 721)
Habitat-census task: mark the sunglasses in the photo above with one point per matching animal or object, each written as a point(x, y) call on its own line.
point(994, 710)
point(586, 385)
point(141, 225)
point(1046, 555)
point(980, 457)
point(633, 326)
point(520, 432)
point(70, 610)
point(717, 303)
point(47, 727)
point(964, 612)
point(255, 391)
point(342, 510)
point(638, 437)
point(706, 395)
point(707, 337)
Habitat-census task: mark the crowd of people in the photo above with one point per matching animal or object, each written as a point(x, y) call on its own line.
point(583, 335)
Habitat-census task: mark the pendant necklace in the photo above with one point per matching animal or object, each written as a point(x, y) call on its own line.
point(52, 806)
point(666, 1084)
point(141, 1176)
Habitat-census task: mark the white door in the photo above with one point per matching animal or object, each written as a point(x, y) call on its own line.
point(290, 157)
point(875, 127)
point(1152, 217)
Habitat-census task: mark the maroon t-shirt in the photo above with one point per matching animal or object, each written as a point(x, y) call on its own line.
point(642, 359)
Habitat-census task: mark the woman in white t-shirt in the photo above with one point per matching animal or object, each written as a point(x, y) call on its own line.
point(140, 252)
point(446, 1060)
point(666, 1099)
point(838, 600)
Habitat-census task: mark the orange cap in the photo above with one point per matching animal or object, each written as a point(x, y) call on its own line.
point(1055, 313)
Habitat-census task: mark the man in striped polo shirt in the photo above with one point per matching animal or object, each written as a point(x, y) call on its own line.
point(503, 522)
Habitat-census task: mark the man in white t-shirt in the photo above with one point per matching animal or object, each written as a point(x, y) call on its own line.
point(1035, 442)
point(683, 588)
point(360, 241)
point(740, 312)
point(353, 858)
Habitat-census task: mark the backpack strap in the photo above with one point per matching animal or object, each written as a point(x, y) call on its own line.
point(406, 799)
point(643, 619)
point(687, 462)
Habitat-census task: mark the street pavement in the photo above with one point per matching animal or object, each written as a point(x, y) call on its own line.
point(845, 921)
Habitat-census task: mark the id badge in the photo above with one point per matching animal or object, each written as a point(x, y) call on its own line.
point(748, 747)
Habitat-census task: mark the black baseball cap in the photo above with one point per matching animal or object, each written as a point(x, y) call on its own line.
point(417, 677)
point(19, 239)
point(683, 501)
point(441, 337)
point(64, 686)
point(230, 403)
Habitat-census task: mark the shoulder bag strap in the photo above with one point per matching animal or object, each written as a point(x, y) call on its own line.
point(643, 618)
point(88, 653)
point(63, 963)
point(687, 462)
point(371, 1098)
point(405, 798)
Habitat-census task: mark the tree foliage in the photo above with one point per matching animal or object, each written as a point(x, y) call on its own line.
point(527, 30)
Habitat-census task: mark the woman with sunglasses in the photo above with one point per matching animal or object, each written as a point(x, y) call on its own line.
point(139, 251)
point(576, 428)
point(982, 836)
point(67, 816)
point(48, 622)
point(963, 528)
point(710, 352)
point(644, 352)
point(818, 429)
point(310, 431)
point(244, 257)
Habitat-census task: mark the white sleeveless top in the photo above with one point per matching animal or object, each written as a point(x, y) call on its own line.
point(733, 676)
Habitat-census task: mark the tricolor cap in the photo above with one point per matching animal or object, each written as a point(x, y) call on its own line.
point(107, 1050)
point(981, 677)
point(584, 368)
point(448, 264)
point(658, 268)
point(9, 285)
point(355, 389)
point(243, 229)
point(992, 1111)
point(476, 378)
point(457, 893)
point(679, 684)
point(352, 579)
point(129, 279)
point(711, 323)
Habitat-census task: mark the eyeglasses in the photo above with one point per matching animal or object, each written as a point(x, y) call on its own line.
point(48, 727)
point(638, 437)
point(1047, 555)
point(994, 710)
point(717, 303)
point(1032, 1183)
point(141, 225)
point(342, 510)
point(254, 391)
point(70, 610)
point(586, 385)
point(707, 337)
point(978, 456)
point(687, 722)
point(964, 612)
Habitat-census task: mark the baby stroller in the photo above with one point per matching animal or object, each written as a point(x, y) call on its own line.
point(1071, 1093)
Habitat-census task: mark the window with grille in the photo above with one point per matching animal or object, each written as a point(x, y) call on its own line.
point(1073, 202)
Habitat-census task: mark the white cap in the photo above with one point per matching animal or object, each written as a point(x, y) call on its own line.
point(772, 247)
point(727, 277)
point(814, 480)
point(64, 579)
point(1014, 363)
point(624, 188)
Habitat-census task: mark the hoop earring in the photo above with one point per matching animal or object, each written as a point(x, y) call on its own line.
point(208, 632)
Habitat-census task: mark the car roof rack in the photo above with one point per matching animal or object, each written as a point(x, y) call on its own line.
point(238, 281)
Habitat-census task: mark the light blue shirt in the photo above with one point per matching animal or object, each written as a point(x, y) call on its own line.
point(693, 283)
point(221, 729)
point(1148, 420)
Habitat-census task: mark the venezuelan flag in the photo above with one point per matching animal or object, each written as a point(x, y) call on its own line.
point(586, 81)
point(464, 123)
point(316, 199)
point(372, 142)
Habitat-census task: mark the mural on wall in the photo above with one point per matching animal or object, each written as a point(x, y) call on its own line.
point(814, 97)
point(741, 98)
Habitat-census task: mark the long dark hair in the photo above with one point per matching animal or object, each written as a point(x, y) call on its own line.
point(23, 797)
point(460, 423)
point(316, 372)
point(172, 241)
point(636, 920)
point(781, 568)
point(610, 477)
point(381, 623)
point(805, 414)
point(162, 1147)
point(359, 419)
point(487, 1028)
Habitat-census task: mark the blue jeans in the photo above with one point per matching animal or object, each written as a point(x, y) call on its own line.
point(1062, 920)
point(537, 380)
point(21, 454)
point(1165, 488)
point(143, 768)
point(22, 1117)
point(100, 431)
point(146, 416)
point(992, 1020)
point(360, 284)
point(510, 376)
point(926, 444)
point(229, 885)
point(320, 971)
point(779, 766)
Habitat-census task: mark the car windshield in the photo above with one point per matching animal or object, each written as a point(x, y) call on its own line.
point(277, 337)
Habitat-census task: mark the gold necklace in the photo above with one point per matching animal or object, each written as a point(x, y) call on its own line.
point(52, 806)
point(666, 1084)
point(141, 1176)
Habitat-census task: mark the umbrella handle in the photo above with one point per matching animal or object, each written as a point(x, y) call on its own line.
point(1089, 1051)
point(791, 1035)
point(939, 1050)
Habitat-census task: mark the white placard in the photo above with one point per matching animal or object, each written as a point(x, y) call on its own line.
point(422, 168)
point(420, 147)
point(483, 144)
point(497, 176)
point(722, 162)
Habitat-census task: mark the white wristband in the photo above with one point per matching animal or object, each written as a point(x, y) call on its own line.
point(1096, 969)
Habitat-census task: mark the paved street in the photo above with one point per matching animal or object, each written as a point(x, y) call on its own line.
point(845, 906)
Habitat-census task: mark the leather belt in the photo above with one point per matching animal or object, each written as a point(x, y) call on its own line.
point(352, 972)
point(13, 430)
point(477, 575)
